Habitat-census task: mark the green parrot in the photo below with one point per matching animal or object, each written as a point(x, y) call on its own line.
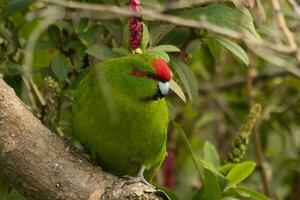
point(120, 114)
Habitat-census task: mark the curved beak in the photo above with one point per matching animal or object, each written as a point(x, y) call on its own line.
point(163, 89)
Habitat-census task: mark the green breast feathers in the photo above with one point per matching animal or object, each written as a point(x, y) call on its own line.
point(120, 115)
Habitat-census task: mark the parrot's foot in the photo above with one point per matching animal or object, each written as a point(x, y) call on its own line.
point(138, 178)
point(135, 179)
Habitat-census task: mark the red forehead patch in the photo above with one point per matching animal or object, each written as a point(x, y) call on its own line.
point(163, 72)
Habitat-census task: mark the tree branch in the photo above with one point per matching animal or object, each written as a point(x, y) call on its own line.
point(282, 24)
point(41, 166)
point(258, 47)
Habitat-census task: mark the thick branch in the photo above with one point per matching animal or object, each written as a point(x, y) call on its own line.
point(41, 166)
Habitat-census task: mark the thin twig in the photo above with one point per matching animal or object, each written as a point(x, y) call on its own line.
point(249, 80)
point(295, 6)
point(240, 80)
point(259, 150)
point(187, 4)
point(261, 159)
point(202, 23)
point(284, 27)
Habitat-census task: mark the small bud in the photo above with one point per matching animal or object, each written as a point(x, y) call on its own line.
point(138, 51)
point(240, 142)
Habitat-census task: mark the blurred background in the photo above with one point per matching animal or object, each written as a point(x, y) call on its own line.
point(233, 54)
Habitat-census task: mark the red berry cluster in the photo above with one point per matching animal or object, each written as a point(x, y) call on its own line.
point(136, 32)
point(135, 26)
point(134, 5)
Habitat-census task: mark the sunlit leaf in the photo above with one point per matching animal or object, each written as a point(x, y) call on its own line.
point(166, 48)
point(225, 168)
point(211, 154)
point(187, 78)
point(239, 172)
point(146, 36)
point(234, 49)
point(177, 90)
point(252, 194)
point(161, 54)
point(226, 17)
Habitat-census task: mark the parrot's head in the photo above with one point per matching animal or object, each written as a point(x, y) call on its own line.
point(144, 77)
point(160, 73)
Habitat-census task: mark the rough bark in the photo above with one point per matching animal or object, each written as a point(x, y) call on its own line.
point(41, 166)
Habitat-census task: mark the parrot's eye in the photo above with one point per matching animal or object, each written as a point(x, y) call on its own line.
point(149, 74)
point(139, 73)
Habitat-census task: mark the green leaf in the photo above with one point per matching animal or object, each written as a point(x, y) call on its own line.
point(101, 52)
point(225, 17)
point(234, 49)
point(15, 195)
point(187, 78)
point(216, 50)
point(82, 25)
point(16, 6)
point(225, 168)
point(171, 195)
point(211, 186)
point(200, 194)
point(161, 54)
point(61, 66)
point(88, 37)
point(166, 48)
point(54, 35)
point(239, 172)
point(41, 58)
point(177, 90)
point(194, 46)
point(115, 30)
point(221, 180)
point(207, 165)
point(230, 198)
point(211, 154)
point(121, 51)
point(146, 36)
point(126, 36)
point(158, 32)
point(252, 194)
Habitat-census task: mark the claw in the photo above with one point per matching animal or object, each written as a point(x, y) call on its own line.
point(138, 178)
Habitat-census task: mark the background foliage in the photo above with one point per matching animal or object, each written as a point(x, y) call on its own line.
point(45, 50)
